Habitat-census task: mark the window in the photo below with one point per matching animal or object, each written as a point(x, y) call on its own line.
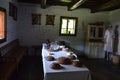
point(2, 25)
point(68, 26)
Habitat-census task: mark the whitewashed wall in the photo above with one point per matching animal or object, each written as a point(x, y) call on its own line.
point(11, 24)
point(36, 34)
point(115, 20)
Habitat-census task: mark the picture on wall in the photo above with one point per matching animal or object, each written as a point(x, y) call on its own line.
point(50, 19)
point(15, 13)
point(36, 19)
point(12, 11)
point(11, 7)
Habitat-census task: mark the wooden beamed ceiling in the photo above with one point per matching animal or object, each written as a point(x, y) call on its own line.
point(112, 4)
point(76, 4)
point(43, 4)
point(94, 5)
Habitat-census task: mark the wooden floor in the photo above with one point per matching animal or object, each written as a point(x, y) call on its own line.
point(30, 68)
point(102, 69)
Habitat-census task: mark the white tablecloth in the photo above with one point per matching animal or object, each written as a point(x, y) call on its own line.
point(68, 73)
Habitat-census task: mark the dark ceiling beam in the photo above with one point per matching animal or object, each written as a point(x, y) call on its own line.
point(76, 4)
point(106, 6)
point(43, 4)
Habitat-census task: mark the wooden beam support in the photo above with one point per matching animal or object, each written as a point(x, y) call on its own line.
point(106, 6)
point(43, 4)
point(77, 4)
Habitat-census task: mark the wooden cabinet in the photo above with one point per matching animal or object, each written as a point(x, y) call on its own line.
point(94, 50)
point(94, 41)
point(95, 33)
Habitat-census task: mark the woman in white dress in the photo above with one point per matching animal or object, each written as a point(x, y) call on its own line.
point(108, 42)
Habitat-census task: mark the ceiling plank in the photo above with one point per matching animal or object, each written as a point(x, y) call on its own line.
point(106, 6)
point(43, 4)
point(76, 5)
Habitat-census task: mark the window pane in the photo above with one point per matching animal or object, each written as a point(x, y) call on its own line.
point(64, 23)
point(92, 32)
point(71, 23)
point(2, 25)
point(71, 26)
point(63, 31)
point(71, 30)
point(100, 32)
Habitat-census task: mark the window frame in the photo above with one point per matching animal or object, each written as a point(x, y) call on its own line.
point(63, 17)
point(5, 28)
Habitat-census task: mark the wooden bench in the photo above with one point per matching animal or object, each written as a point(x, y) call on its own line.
point(13, 53)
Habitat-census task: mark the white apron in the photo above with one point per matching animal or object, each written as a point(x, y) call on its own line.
point(108, 46)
